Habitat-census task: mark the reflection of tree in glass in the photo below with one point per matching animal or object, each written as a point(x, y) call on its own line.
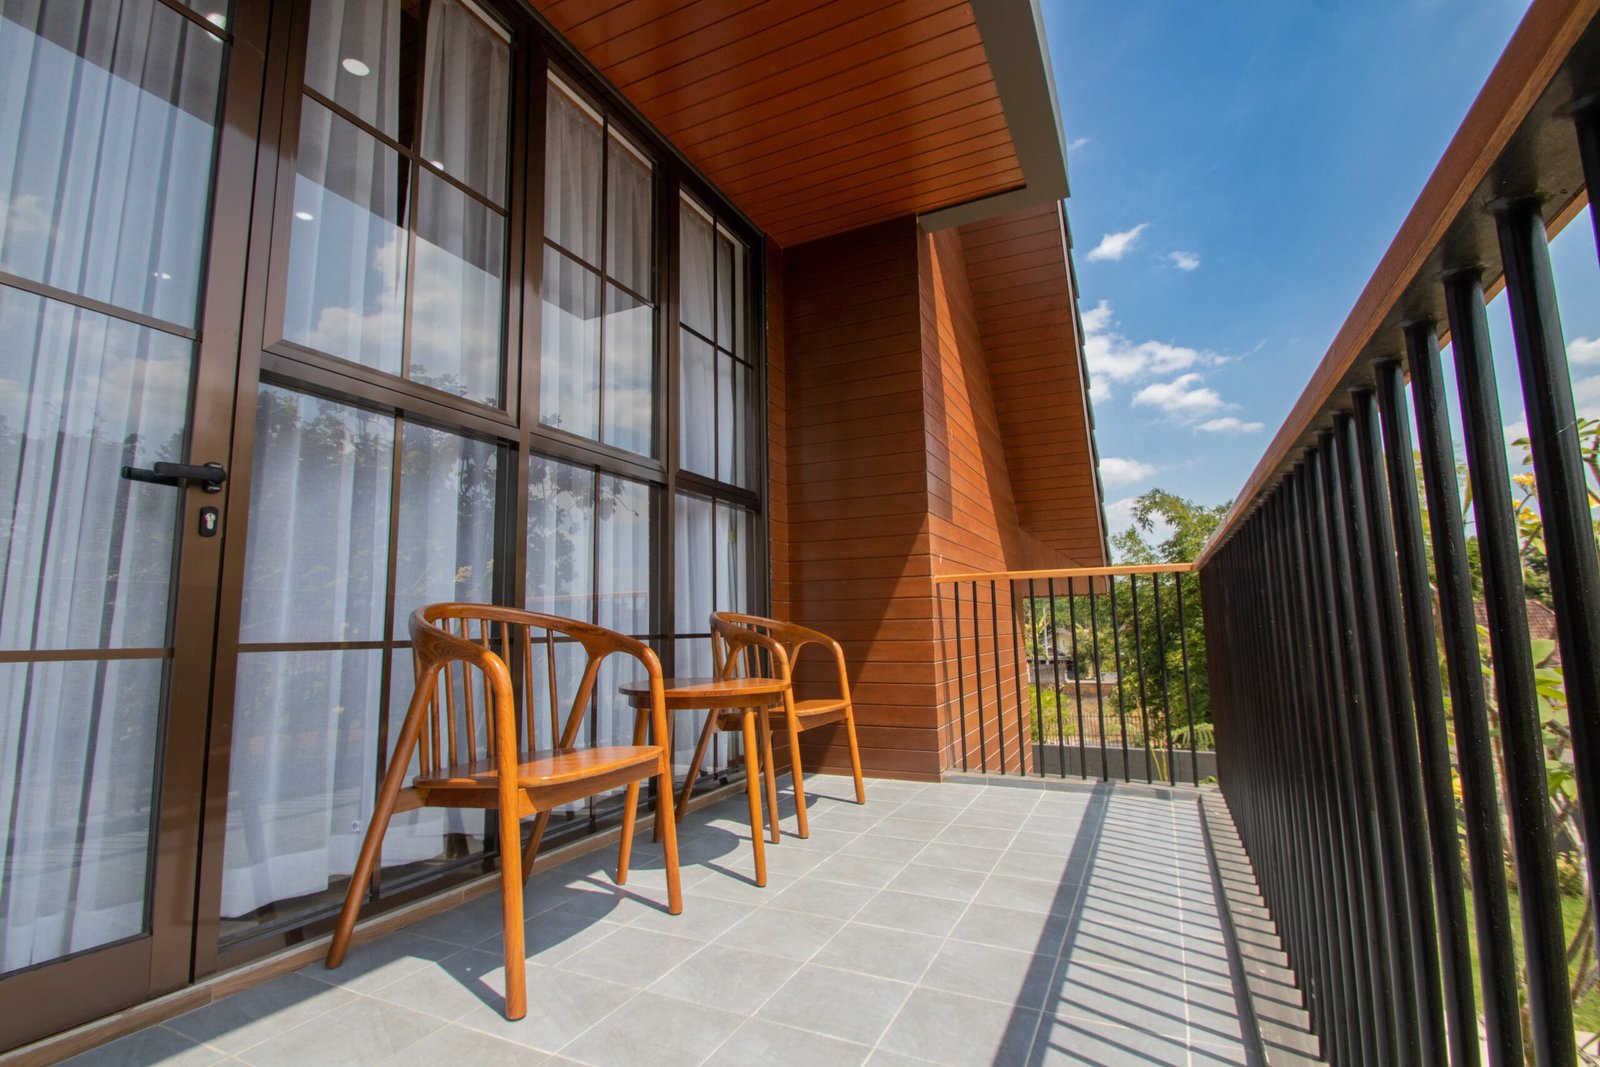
point(445, 549)
point(560, 537)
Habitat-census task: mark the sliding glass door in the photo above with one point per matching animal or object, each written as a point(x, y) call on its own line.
point(109, 114)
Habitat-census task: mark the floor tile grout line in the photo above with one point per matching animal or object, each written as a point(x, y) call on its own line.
point(942, 945)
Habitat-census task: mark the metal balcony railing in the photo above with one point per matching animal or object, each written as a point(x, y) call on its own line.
point(1094, 672)
point(1363, 735)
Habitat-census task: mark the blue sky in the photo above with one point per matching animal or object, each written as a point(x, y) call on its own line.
point(1238, 169)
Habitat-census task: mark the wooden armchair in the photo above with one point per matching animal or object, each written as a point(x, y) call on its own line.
point(749, 646)
point(463, 767)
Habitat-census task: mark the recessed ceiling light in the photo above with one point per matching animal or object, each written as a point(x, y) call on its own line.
point(161, 275)
point(304, 216)
point(218, 19)
point(438, 163)
point(355, 66)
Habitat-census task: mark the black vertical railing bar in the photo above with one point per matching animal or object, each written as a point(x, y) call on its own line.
point(1077, 684)
point(1144, 704)
point(1363, 822)
point(1400, 758)
point(999, 685)
point(977, 679)
point(1344, 979)
point(1269, 681)
point(1370, 714)
point(1308, 947)
point(1035, 668)
point(1099, 686)
point(1188, 685)
point(1544, 950)
point(1564, 511)
point(1427, 692)
point(1475, 760)
point(1116, 659)
point(1166, 684)
point(1024, 740)
point(961, 680)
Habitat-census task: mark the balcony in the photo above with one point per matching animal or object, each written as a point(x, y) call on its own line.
point(958, 922)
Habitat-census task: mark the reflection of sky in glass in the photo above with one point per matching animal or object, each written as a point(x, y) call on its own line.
point(445, 548)
point(629, 372)
point(569, 365)
point(624, 578)
point(104, 187)
point(346, 284)
point(456, 293)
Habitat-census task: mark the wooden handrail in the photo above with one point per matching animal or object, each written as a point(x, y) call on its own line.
point(1066, 572)
point(1509, 122)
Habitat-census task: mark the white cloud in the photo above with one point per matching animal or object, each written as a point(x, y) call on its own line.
point(1184, 260)
point(1586, 397)
point(1183, 398)
point(1119, 514)
point(1113, 358)
point(1229, 424)
point(1117, 470)
point(1077, 143)
point(1114, 246)
point(1583, 350)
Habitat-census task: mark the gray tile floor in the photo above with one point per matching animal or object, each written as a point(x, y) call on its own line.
point(952, 923)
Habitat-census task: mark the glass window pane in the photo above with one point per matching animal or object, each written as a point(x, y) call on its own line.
point(86, 554)
point(79, 743)
point(693, 585)
point(730, 284)
point(625, 556)
point(630, 218)
point(560, 539)
point(696, 269)
point(629, 397)
point(466, 77)
point(733, 558)
point(455, 302)
point(424, 837)
point(696, 406)
point(302, 782)
point(355, 57)
point(572, 175)
point(445, 550)
point(316, 561)
point(107, 124)
point(347, 248)
point(569, 364)
point(727, 418)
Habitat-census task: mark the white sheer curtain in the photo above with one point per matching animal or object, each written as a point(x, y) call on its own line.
point(106, 131)
point(107, 115)
point(347, 250)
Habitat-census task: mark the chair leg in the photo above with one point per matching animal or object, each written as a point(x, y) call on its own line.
point(511, 863)
point(694, 763)
point(371, 845)
point(752, 789)
point(855, 753)
point(630, 813)
point(798, 772)
point(769, 776)
point(669, 836)
point(539, 823)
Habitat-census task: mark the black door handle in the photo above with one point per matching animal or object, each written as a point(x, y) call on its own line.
point(209, 475)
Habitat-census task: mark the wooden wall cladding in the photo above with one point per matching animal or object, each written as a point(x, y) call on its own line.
point(1027, 315)
point(891, 464)
point(816, 117)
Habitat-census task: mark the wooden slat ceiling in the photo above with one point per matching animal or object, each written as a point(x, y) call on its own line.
point(814, 116)
point(1027, 315)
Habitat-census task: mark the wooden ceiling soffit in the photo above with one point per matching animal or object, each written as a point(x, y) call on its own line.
point(817, 117)
point(1027, 315)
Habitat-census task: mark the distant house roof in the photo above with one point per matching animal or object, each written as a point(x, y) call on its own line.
point(1541, 623)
